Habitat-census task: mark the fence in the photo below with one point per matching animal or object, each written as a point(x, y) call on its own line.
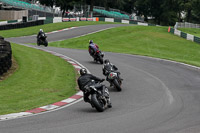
point(21, 25)
point(5, 56)
point(184, 35)
point(186, 25)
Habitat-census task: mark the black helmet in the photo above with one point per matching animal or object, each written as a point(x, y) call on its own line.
point(90, 41)
point(106, 61)
point(83, 71)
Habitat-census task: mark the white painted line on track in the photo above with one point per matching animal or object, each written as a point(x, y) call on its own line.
point(159, 59)
point(94, 32)
point(168, 92)
point(84, 34)
point(69, 100)
point(71, 62)
point(49, 107)
point(77, 66)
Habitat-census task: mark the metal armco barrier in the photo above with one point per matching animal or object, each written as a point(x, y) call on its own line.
point(5, 56)
point(21, 25)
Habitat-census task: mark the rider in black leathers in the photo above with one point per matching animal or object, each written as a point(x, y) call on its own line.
point(39, 34)
point(86, 79)
point(107, 68)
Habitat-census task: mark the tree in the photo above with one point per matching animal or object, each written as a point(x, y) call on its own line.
point(65, 5)
point(129, 6)
point(162, 11)
point(170, 11)
point(91, 3)
point(196, 11)
point(142, 7)
point(47, 2)
point(188, 9)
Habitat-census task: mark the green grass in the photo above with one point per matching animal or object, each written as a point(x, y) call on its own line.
point(40, 79)
point(47, 28)
point(140, 40)
point(193, 31)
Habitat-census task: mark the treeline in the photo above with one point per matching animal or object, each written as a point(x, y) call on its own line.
point(164, 12)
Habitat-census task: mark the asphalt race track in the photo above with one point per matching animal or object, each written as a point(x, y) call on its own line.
point(157, 97)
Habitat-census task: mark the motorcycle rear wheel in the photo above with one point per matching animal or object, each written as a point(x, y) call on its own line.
point(101, 60)
point(96, 103)
point(38, 43)
point(45, 43)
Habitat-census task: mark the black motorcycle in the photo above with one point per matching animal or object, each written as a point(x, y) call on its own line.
point(115, 80)
point(98, 56)
point(99, 98)
point(42, 40)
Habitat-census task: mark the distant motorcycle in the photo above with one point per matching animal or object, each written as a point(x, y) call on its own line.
point(98, 56)
point(42, 40)
point(99, 98)
point(115, 80)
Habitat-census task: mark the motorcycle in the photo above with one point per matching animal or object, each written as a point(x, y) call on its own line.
point(99, 56)
point(115, 80)
point(99, 98)
point(42, 40)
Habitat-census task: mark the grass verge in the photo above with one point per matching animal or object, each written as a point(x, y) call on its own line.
point(140, 40)
point(40, 79)
point(192, 31)
point(47, 28)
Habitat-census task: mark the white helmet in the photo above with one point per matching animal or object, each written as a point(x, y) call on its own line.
point(41, 30)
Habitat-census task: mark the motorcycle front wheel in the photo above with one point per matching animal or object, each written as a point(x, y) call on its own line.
point(97, 103)
point(117, 85)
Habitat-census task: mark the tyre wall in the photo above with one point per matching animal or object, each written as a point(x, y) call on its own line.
point(5, 56)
